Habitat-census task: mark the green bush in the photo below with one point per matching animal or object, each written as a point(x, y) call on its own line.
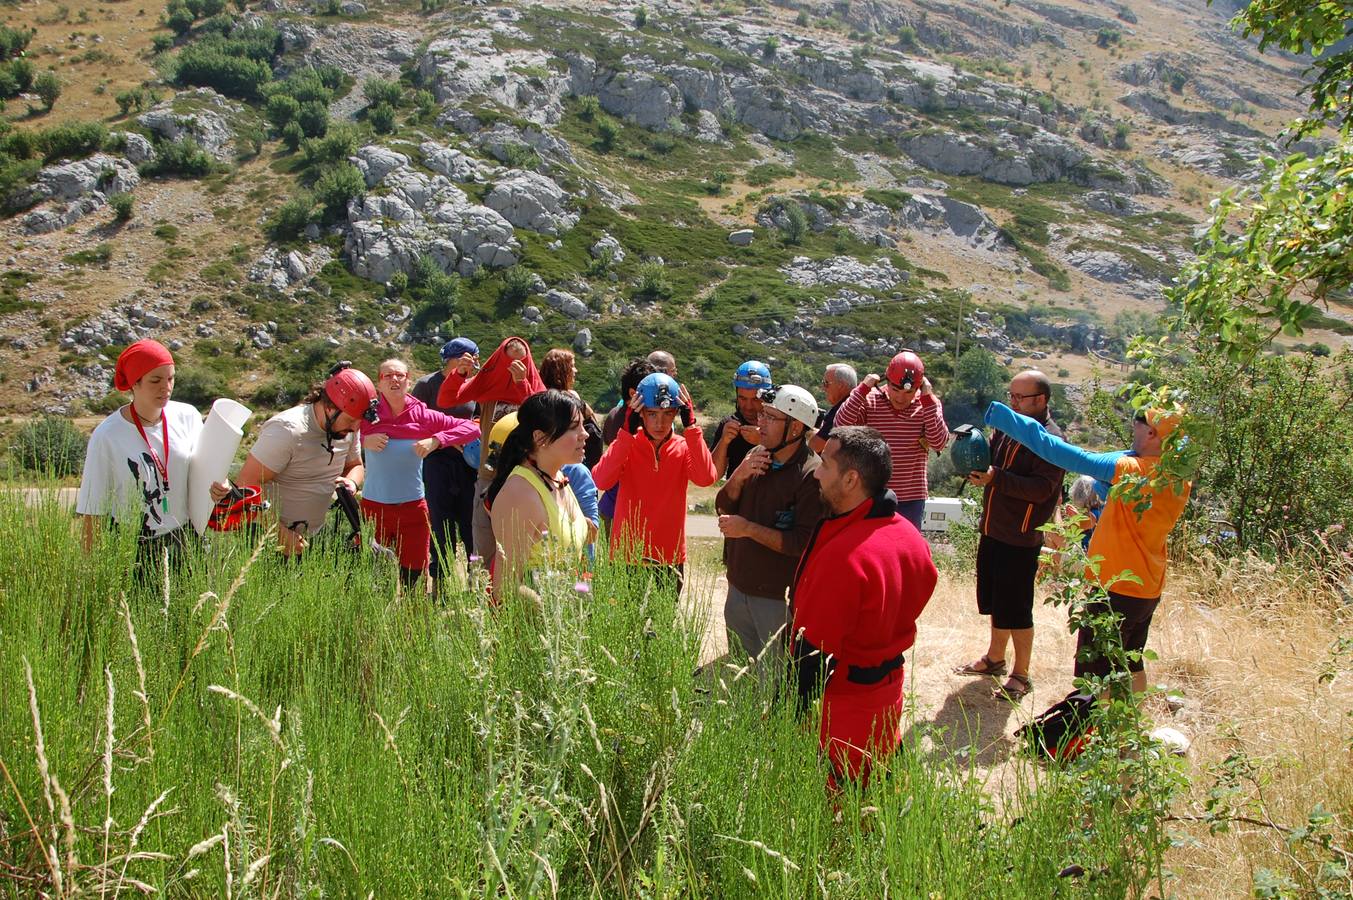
point(382, 118)
point(214, 66)
point(520, 156)
point(313, 118)
point(292, 136)
point(50, 445)
point(75, 140)
point(198, 386)
point(304, 86)
point(425, 102)
point(183, 157)
point(48, 88)
point(608, 131)
point(15, 176)
point(336, 187)
point(280, 109)
point(161, 43)
point(518, 282)
point(652, 284)
point(437, 292)
point(381, 90)
point(178, 18)
point(589, 107)
point(795, 225)
point(640, 17)
point(292, 218)
point(122, 206)
point(335, 147)
point(14, 40)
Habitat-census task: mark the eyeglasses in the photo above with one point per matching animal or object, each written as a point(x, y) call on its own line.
point(1014, 396)
point(767, 417)
point(396, 376)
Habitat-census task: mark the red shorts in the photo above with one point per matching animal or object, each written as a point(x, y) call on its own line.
point(404, 528)
point(861, 725)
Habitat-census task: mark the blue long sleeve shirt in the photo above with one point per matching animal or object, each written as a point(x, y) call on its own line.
point(1100, 466)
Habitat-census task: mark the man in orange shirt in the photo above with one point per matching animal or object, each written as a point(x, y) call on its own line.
point(1126, 541)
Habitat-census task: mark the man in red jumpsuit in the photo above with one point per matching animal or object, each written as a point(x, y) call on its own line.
point(862, 581)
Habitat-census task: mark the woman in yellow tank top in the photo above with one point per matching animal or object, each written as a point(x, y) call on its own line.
point(537, 524)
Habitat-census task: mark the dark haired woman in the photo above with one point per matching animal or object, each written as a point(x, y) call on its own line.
point(537, 524)
point(559, 370)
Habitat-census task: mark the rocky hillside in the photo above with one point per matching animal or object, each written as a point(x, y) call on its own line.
point(270, 188)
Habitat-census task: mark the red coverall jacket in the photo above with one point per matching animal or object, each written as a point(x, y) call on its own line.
point(861, 583)
point(650, 511)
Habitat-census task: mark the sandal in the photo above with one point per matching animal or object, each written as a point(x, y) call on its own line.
point(983, 666)
point(1015, 689)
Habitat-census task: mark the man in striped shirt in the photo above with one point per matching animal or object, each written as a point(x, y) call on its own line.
point(905, 410)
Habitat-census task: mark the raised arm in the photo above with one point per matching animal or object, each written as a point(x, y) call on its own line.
point(1033, 435)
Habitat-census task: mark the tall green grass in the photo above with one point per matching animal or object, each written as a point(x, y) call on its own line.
point(302, 730)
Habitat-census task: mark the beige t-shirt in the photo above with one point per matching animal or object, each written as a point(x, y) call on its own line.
point(291, 445)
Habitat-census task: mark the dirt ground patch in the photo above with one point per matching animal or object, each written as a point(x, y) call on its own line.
point(1248, 677)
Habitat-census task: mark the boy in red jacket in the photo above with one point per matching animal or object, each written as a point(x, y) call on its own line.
point(653, 466)
point(862, 581)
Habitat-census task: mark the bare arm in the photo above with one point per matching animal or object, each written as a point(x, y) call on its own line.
point(519, 520)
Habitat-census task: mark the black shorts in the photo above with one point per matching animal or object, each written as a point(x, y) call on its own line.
point(1133, 627)
point(1005, 583)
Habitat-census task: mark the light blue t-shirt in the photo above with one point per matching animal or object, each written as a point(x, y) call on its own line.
point(393, 475)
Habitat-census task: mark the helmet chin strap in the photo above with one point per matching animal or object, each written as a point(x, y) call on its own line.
point(329, 434)
point(787, 441)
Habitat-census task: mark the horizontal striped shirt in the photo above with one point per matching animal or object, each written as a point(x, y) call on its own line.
point(911, 432)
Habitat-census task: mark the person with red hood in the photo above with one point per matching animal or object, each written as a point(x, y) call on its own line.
point(404, 433)
point(504, 382)
point(862, 581)
point(136, 463)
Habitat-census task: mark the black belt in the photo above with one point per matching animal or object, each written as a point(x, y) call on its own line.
point(874, 674)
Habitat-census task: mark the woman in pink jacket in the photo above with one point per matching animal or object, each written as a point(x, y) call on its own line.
point(392, 497)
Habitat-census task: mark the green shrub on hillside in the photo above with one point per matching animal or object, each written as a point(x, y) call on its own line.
point(48, 88)
point(381, 90)
point(238, 66)
point(336, 146)
point(292, 218)
point(122, 205)
point(381, 118)
point(336, 186)
point(51, 445)
point(183, 157)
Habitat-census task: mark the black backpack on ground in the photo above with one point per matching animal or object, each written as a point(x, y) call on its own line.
point(1062, 731)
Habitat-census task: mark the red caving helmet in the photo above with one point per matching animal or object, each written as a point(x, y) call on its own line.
point(352, 392)
point(906, 371)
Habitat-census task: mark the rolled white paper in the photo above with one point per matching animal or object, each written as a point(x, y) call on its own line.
point(221, 436)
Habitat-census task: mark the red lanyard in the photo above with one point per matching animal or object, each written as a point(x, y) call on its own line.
point(163, 467)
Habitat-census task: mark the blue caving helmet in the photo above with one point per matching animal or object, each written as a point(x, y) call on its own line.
point(752, 374)
point(659, 391)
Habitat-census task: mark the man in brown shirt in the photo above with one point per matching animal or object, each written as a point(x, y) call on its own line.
point(1020, 493)
point(768, 510)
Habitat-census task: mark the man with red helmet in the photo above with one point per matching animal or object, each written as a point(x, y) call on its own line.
point(910, 417)
point(304, 453)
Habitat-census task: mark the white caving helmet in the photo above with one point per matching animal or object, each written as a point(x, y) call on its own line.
point(795, 402)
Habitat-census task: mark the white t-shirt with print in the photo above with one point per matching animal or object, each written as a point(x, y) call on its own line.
point(121, 479)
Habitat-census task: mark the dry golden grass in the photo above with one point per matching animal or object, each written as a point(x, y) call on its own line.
point(96, 48)
point(1243, 643)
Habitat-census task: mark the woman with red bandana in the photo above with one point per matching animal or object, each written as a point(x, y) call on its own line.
point(504, 382)
point(136, 465)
